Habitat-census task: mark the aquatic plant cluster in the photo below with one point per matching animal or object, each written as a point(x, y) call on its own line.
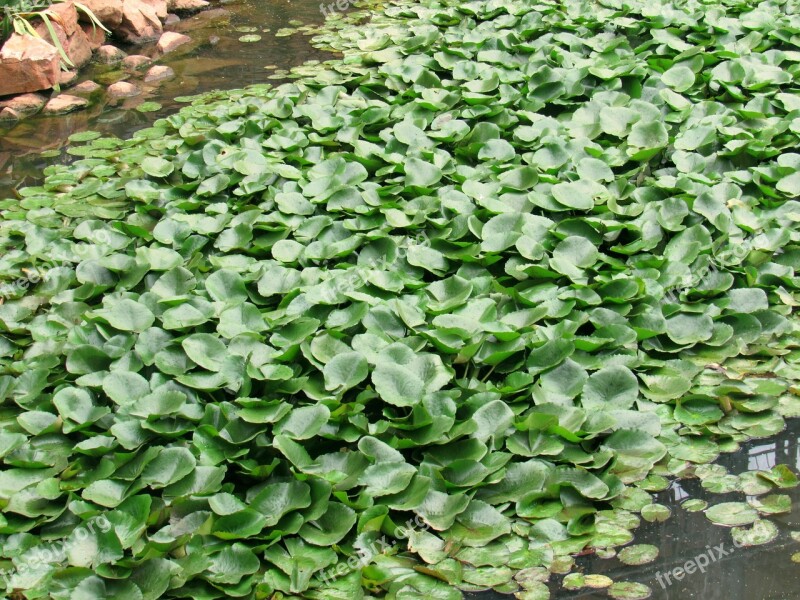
point(427, 283)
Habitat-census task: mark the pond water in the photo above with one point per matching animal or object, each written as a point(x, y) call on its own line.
point(748, 573)
point(215, 59)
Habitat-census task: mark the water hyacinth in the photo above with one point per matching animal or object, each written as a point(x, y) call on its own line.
point(417, 321)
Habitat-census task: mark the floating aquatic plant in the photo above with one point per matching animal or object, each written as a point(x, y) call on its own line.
point(415, 322)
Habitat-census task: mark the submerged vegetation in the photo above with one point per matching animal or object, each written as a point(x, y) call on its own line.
point(434, 316)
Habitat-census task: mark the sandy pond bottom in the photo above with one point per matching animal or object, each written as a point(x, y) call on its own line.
point(747, 573)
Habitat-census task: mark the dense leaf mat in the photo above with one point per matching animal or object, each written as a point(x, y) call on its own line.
point(423, 316)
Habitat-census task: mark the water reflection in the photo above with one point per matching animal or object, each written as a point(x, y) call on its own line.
point(215, 59)
point(756, 573)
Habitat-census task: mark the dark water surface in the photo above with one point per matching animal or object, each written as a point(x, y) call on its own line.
point(755, 573)
point(215, 59)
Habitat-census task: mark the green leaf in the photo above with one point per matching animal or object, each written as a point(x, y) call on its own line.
point(345, 371)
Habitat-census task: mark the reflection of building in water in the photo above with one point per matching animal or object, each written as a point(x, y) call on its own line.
point(748, 573)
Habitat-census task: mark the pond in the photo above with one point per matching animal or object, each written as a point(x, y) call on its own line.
point(219, 60)
point(747, 573)
point(215, 59)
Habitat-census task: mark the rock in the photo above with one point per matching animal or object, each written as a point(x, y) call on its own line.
point(158, 73)
point(108, 12)
point(25, 105)
point(170, 40)
point(186, 6)
point(9, 114)
point(136, 61)
point(27, 64)
point(139, 22)
point(95, 35)
point(65, 78)
point(109, 54)
point(85, 87)
point(78, 48)
point(122, 89)
point(67, 16)
point(64, 103)
point(159, 6)
point(171, 19)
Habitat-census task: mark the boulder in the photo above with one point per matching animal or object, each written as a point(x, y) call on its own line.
point(171, 19)
point(139, 22)
point(170, 40)
point(186, 6)
point(95, 35)
point(122, 89)
point(109, 54)
point(79, 48)
point(136, 61)
point(108, 12)
point(158, 73)
point(27, 64)
point(72, 39)
point(85, 87)
point(159, 6)
point(67, 16)
point(66, 78)
point(64, 103)
point(25, 105)
point(9, 114)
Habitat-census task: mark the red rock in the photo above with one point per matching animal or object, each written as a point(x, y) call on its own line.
point(79, 49)
point(9, 114)
point(75, 44)
point(108, 12)
point(139, 22)
point(27, 64)
point(136, 61)
point(64, 103)
point(158, 73)
point(109, 54)
point(85, 87)
point(26, 104)
point(65, 78)
point(66, 14)
point(159, 6)
point(95, 35)
point(170, 40)
point(186, 6)
point(122, 89)
point(171, 19)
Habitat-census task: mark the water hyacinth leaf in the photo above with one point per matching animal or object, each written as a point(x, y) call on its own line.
point(638, 554)
point(656, 513)
point(731, 514)
point(694, 505)
point(345, 371)
point(761, 532)
point(772, 504)
point(629, 590)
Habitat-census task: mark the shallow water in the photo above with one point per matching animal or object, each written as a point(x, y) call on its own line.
point(755, 573)
point(203, 65)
